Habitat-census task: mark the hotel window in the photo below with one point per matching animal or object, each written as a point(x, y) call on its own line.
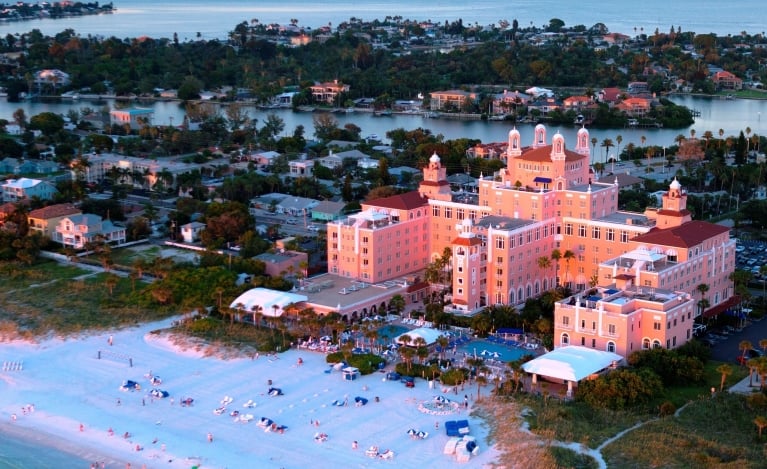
point(568, 229)
point(656, 325)
point(529, 236)
point(500, 242)
point(611, 329)
point(499, 283)
point(582, 231)
point(624, 236)
point(499, 260)
point(498, 271)
point(596, 232)
point(520, 240)
point(448, 212)
point(459, 213)
point(610, 234)
point(611, 347)
point(565, 320)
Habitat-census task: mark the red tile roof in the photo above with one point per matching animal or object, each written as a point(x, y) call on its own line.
point(407, 201)
point(53, 211)
point(690, 234)
point(473, 241)
point(543, 154)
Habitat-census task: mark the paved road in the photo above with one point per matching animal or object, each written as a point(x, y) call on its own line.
point(728, 351)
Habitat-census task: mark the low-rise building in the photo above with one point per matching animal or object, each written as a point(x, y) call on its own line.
point(284, 262)
point(24, 188)
point(135, 118)
point(44, 220)
point(190, 232)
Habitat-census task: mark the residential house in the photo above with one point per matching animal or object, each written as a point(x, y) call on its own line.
point(610, 95)
point(44, 220)
point(300, 168)
point(284, 262)
point(576, 103)
point(296, 206)
point(328, 92)
point(327, 210)
point(135, 118)
point(367, 163)
point(508, 101)
point(52, 77)
point(25, 188)
point(263, 158)
point(727, 81)
point(635, 107)
point(78, 230)
point(638, 87)
point(451, 99)
point(190, 232)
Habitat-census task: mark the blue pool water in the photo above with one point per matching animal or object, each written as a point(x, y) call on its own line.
point(505, 353)
point(387, 333)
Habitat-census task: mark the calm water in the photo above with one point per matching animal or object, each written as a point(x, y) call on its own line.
point(506, 354)
point(214, 19)
point(732, 116)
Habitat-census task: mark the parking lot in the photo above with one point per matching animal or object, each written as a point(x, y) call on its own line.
point(751, 255)
point(727, 344)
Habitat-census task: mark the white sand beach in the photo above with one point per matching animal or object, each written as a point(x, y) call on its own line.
point(54, 386)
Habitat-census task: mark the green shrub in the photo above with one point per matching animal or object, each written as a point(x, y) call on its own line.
point(367, 363)
point(620, 389)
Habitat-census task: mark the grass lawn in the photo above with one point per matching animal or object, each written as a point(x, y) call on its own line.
point(46, 298)
point(716, 432)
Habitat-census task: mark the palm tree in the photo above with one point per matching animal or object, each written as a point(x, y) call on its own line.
point(407, 355)
point(257, 310)
point(556, 255)
point(594, 142)
point(702, 288)
point(763, 345)
point(744, 346)
point(607, 144)
point(110, 281)
point(442, 342)
point(760, 422)
point(725, 370)
point(568, 256)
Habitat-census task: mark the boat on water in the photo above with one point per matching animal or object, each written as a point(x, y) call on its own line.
point(383, 113)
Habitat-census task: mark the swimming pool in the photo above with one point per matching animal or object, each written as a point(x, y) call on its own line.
point(486, 349)
point(386, 334)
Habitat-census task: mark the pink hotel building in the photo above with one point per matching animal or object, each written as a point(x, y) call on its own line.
point(644, 267)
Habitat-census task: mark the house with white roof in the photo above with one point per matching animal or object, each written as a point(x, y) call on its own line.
point(25, 188)
point(190, 232)
point(297, 206)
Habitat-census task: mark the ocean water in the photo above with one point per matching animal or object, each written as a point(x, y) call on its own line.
point(215, 19)
point(17, 453)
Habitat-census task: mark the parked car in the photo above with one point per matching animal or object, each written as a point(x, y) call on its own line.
point(409, 381)
point(751, 353)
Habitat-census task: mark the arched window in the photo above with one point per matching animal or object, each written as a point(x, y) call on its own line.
point(537, 287)
point(529, 291)
point(565, 339)
point(611, 347)
point(545, 284)
point(646, 344)
point(511, 297)
point(656, 343)
point(520, 295)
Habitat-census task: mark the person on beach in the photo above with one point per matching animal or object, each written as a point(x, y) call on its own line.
point(110, 432)
point(82, 427)
point(354, 444)
point(210, 437)
point(13, 417)
point(110, 341)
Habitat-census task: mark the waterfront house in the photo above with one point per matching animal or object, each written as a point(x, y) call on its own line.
point(725, 80)
point(451, 100)
point(190, 232)
point(328, 92)
point(134, 117)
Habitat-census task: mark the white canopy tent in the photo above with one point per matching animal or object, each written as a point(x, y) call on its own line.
point(272, 302)
point(428, 334)
point(572, 363)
